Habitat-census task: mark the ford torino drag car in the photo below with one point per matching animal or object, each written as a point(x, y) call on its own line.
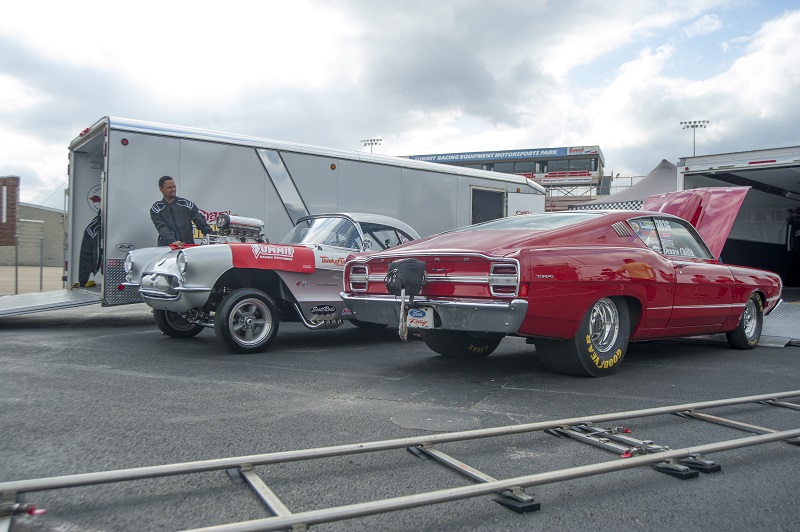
point(578, 284)
point(242, 286)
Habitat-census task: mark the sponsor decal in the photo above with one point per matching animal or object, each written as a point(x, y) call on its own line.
point(301, 283)
point(339, 261)
point(211, 216)
point(416, 313)
point(93, 198)
point(285, 258)
point(125, 246)
point(269, 251)
point(323, 309)
point(346, 312)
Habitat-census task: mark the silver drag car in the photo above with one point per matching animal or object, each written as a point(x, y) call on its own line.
point(243, 287)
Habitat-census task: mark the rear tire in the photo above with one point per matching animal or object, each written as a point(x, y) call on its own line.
point(748, 332)
point(246, 321)
point(460, 344)
point(175, 325)
point(599, 345)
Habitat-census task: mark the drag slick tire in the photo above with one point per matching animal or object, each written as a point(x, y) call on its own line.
point(599, 345)
point(174, 325)
point(461, 344)
point(246, 321)
point(748, 332)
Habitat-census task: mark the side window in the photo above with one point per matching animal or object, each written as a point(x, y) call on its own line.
point(383, 236)
point(645, 228)
point(678, 240)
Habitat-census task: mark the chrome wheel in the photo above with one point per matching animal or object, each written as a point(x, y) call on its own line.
point(604, 325)
point(250, 322)
point(749, 318)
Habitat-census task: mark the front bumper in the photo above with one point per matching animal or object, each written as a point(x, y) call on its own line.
point(168, 292)
point(457, 315)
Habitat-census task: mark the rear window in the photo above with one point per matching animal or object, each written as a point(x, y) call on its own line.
point(534, 222)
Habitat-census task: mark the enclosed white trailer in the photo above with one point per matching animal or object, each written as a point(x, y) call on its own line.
point(115, 164)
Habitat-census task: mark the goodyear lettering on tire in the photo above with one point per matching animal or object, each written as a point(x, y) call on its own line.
point(598, 362)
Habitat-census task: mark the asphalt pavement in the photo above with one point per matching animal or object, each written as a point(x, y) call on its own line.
point(93, 389)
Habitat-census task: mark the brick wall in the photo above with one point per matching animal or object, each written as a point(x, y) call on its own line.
point(40, 230)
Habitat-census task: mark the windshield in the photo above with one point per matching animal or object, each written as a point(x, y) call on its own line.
point(339, 232)
point(534, 222)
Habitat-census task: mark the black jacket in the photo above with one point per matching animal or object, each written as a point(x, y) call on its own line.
point(91, 255)
point(173, 221)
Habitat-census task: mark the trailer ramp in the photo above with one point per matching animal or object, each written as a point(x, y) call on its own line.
point(52, 300)
point(508, 492)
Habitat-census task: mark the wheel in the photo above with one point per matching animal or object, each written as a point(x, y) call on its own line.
point(460, 344)
point(175, 325)
point(748, 332)
point(599, 345)
point(246, 321)
point(368, 325)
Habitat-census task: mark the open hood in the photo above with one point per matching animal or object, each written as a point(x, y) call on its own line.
point(710, 210)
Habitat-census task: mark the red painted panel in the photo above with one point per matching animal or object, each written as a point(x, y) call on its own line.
point(273, 257)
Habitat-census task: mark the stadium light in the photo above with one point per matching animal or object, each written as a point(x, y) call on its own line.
point(371, 143)
point(693, 125)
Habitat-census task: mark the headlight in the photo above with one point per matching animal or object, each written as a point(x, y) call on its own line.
point(128, 263)
point(180, 262)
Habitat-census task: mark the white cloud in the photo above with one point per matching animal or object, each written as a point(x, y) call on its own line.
point(426, 77)
point(702, 26)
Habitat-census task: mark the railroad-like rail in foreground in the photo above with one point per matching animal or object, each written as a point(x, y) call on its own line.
point(681, 463)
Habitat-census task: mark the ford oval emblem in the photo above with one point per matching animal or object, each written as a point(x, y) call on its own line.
point(416, 313)
point(125, 246)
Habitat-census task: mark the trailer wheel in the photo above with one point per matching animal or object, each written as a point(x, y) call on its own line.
point(246, 321)
point(599, 345)
point(748, 332)
point(175, 325)
point(460, 344)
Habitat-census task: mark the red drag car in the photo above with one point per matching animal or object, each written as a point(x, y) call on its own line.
point(578, 284)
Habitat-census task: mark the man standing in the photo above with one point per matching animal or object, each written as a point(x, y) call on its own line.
point(173, 216)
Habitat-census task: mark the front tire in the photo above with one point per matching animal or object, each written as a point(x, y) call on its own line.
point(599, 345)
point(748, 332)
point(246, 321)
point(460, 344)
point(175, 325)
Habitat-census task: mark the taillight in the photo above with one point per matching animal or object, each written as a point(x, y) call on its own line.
point(504, 280)
point(358, 278)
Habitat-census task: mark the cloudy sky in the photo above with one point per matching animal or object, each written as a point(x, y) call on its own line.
point(425, 76)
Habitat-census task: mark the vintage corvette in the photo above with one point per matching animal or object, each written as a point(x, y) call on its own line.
point(242, 286)
point(579, 285)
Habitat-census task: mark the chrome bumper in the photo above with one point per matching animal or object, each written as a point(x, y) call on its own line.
point(458, 315)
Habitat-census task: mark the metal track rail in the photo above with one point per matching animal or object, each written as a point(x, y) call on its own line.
point(284, 518)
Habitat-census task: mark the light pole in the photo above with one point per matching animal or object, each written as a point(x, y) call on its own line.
point(693, 125)
point(371, 143)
